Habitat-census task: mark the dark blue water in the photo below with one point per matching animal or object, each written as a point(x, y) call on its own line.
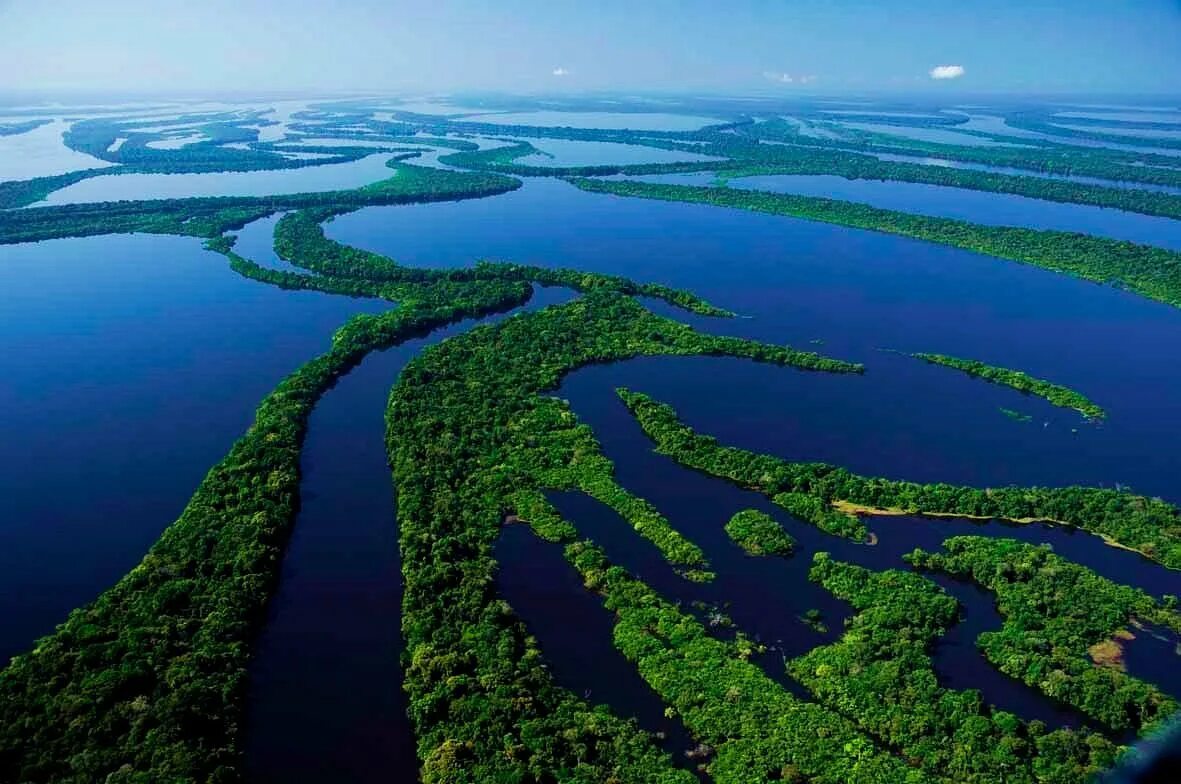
point(990, 209)
point(857, 291)
point(1154, 655)
point(131, 364)
point(326, 694)
point(547, 592)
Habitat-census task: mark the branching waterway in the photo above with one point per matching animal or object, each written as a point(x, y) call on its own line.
point(551, 590)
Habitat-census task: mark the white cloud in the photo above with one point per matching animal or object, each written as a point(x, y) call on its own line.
point(947, 72)
point(786, 78)
point(560, 71)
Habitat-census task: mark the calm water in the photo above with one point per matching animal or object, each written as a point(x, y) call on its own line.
point(41, 153)
point(859, 291)
point(993, 209)
point(260, 183)
point(855, 291)
point(636, 121)
point(997, 125)
point(132, 363)
point(121, 388)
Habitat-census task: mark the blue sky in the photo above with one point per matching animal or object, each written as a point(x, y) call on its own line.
point(533, 45)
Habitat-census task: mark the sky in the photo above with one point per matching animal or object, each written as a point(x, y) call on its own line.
point(739, 46)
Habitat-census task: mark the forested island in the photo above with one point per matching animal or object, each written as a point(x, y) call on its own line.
point(1060, 396)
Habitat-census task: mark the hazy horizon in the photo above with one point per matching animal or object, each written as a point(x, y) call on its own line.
point(919, 47)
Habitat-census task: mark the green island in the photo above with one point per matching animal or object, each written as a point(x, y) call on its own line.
point(1060, 396)
point(880, 674)
point(1055, 612)
point(758, 534)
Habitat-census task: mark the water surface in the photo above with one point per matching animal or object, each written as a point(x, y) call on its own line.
point(636, 121)
point(41, 153)
point(131, 187)
point(564, 152)
point(132, 363)
point(796, 281)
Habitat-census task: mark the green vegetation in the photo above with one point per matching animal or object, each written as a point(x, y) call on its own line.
point(1056, 126)
point(147, 682)
point(210, 217)
point(814, 620)
point(299, 239)
point(880, 675)
point(1055, 610)
point(1034, 155)
point(1148, 271)
point(777, 159)
point(1016, 416)
point(1149, 526)
point(504, 160)
point(746, 159)
point(97, 136)
point(759, 534)
point(1061, 396)
point(471, 440)
point(758, 730)
point(20, 193)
